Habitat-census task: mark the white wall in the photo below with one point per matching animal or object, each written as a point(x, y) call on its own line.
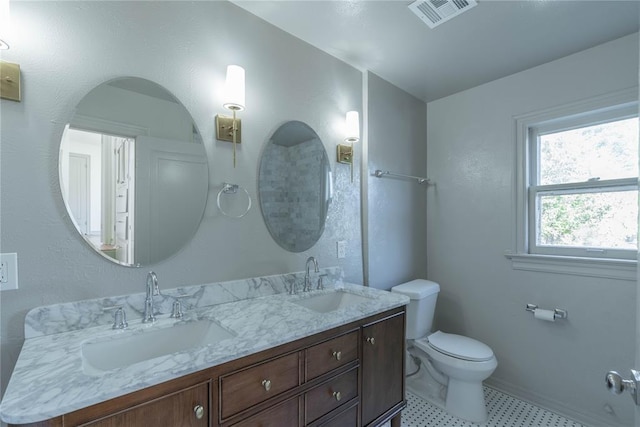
point(65, 49)
point(471, 159)
point(396, 207)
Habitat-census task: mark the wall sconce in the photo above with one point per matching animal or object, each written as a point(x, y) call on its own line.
point(5, 24)
point(345, 152)
point(229, 128)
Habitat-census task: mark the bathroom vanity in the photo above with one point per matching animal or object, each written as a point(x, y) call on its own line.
point(292, 360)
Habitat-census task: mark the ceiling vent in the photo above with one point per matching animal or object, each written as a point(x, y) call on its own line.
point(435, 12)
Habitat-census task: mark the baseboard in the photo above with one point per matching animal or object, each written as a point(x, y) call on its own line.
point(549, 404)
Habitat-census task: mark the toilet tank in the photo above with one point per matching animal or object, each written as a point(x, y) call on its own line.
point(423, 295)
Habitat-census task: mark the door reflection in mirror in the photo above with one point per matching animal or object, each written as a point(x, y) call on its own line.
point(99, 186)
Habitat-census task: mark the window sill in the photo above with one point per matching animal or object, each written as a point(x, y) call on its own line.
point(617, 269)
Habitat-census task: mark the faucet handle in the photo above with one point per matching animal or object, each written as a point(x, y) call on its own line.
point(177, 312)
point(119, 317)
point(293, 289)
point(320, 281)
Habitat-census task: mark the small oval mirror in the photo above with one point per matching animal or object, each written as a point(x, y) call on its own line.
point(295, 186)
point(133, 172)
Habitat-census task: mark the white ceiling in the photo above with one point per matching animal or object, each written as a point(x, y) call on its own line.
point(487, 42)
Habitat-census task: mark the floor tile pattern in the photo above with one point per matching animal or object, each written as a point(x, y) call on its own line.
point(504, 411)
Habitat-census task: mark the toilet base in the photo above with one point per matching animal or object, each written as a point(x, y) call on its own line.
point(465, 400)
point(461, 399)
point(427, 388)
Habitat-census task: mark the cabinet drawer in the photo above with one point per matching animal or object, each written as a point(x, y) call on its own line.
point(188, 408)
point(243, 389)
point(331, 354)
point(283, 414)
point(328, 396)
point(348, 418)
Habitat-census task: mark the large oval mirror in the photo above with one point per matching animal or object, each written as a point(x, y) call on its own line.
point(133, 172)
point(295, 186)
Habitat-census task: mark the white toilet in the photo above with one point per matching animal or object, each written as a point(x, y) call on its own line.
point(452, 367)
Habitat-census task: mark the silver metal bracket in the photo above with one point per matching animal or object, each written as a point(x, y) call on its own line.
point(558, 313)
point(616, 384)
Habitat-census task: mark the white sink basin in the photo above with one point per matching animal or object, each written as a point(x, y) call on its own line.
point(325, 303)
point(105, 354)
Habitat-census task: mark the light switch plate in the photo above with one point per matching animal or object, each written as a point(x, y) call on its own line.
point(10, 81)
point(8, 271)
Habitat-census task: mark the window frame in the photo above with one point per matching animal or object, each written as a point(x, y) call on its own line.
point(602, 109)
point(591, 118)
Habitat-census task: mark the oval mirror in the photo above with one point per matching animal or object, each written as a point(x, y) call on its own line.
point(133, 172)
point(295, 186)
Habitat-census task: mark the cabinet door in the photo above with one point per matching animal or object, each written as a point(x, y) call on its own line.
point(187, 408)
point(382, 366)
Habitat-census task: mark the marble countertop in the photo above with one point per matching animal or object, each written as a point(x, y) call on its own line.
point(49, 380)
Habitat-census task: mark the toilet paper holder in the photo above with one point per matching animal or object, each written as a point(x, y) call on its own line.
point(558, 313)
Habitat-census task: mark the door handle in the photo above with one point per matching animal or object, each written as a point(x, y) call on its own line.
point(616, 384)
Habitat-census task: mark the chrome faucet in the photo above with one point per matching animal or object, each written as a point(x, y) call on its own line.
point(307, 281)
point(152, 290)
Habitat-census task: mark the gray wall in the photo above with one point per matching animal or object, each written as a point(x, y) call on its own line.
point(470, 216)
point(67, 48)
point(396, 207)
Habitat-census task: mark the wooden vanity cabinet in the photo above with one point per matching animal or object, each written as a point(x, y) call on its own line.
point(187, 408)
point(382, 368)
point(352, 375)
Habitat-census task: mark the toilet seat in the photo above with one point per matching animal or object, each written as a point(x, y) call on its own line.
point(457, 346)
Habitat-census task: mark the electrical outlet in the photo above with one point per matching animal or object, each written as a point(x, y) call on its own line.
point(8, 271)
point(341, 249)
point(3, 272)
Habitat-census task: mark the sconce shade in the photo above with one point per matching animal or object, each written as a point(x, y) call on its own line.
point(5, 24)
point(234, 88)
point(353, 127)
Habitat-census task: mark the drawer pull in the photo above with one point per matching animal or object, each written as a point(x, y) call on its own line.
point(371, 340)
point(266, 384)
point(199, 411)
point(337, 395)
point(337, 355)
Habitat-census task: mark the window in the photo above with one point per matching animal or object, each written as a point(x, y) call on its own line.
point(583, 183)
point(576, 208)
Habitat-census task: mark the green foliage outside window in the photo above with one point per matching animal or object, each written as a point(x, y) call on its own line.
point(598, 218)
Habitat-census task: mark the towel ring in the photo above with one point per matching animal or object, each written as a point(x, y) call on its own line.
point(232, 189)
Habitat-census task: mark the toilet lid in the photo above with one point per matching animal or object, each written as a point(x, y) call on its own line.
point(460, 347)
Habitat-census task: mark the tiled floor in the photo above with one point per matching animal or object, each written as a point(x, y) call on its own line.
point(504, 411)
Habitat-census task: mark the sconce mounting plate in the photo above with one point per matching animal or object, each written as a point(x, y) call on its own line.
point(10, 81)
point(224, 129)
point(345, 154)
